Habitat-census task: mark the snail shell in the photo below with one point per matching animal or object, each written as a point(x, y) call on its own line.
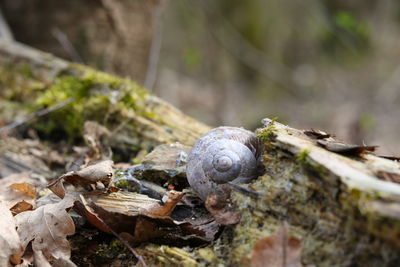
point(224, 154)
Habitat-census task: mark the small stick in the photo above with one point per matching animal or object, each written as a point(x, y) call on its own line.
point(108, 228)
point(36, 114)
point(246, 191)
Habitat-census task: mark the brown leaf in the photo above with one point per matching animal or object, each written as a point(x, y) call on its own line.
point(21, 207)
point(346, 149)
point(316, 134)
point(25, 188)
point(10, 243)
point(162, 211)
point(11, 197)
point(134, 216)
point(99, 172)
point(222, 210)
point(47, 228)
point(277, 250)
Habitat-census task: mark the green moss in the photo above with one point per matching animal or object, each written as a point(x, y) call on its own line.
point(267, 133)
point(95, 96)
point(122, 184)
point(303, 155)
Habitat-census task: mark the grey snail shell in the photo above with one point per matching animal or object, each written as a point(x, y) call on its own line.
point(223, 155)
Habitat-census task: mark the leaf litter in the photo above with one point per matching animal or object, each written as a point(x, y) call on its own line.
point(37, 222)
point(277, 250)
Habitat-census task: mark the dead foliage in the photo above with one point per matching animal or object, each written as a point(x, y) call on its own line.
point(222, 209)
point(317, 134)
point(277, 250)
point(346, 149)
point(37, 234)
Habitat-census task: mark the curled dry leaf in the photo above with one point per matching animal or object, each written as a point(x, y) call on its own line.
point(222, 210)
point(9, 240)
point(277, 250)
point(162, 211)
point(21, 207)
point(317, 134)
point(139, 218)
point(345, 149)
point(47, 228)
point(11, 193)
point(25, 188)
point(90, 175)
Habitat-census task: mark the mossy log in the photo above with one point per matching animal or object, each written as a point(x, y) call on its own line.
point(32, 80)
point(339, 206)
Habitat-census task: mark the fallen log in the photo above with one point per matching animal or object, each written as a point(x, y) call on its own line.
point(342, 203)
point(32, 80)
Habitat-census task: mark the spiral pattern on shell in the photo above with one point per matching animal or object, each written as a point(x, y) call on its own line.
point(224, 154)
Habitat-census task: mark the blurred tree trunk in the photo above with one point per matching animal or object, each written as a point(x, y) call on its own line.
point(112, 35)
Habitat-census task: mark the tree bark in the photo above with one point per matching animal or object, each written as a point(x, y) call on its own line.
point(112, 35)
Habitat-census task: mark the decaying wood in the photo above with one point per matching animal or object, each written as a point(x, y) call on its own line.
point(339, 208)
point(344, 209)
point(27, 73)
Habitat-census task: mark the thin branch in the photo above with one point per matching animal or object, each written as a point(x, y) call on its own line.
point(151, 74)
point(36, 114)
point(5, 32)
point(64, 41)
point(108, 228)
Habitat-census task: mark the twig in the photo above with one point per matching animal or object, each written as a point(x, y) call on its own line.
point(5, 32)
point(36, 114)
point(155, 48)
point(84, 205)
point(246, 191)
point(62, 38)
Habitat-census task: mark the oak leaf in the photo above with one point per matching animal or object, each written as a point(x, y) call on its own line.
point(16, 188)
point(9, 240)
point(47, 228)
point(277, 250)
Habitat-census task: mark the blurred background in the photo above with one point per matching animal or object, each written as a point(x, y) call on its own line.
point(329, 65)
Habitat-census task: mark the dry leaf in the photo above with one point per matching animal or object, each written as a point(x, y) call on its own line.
point(25, 188)
point(346, 149)
point(277, 250)
point(99, 172)
point(140, 218)
point(9, 240)
point(162, 211)
point(47, 228)
point(21, 207)
point(222, 210)
point(9, 196)
point(317, 134)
